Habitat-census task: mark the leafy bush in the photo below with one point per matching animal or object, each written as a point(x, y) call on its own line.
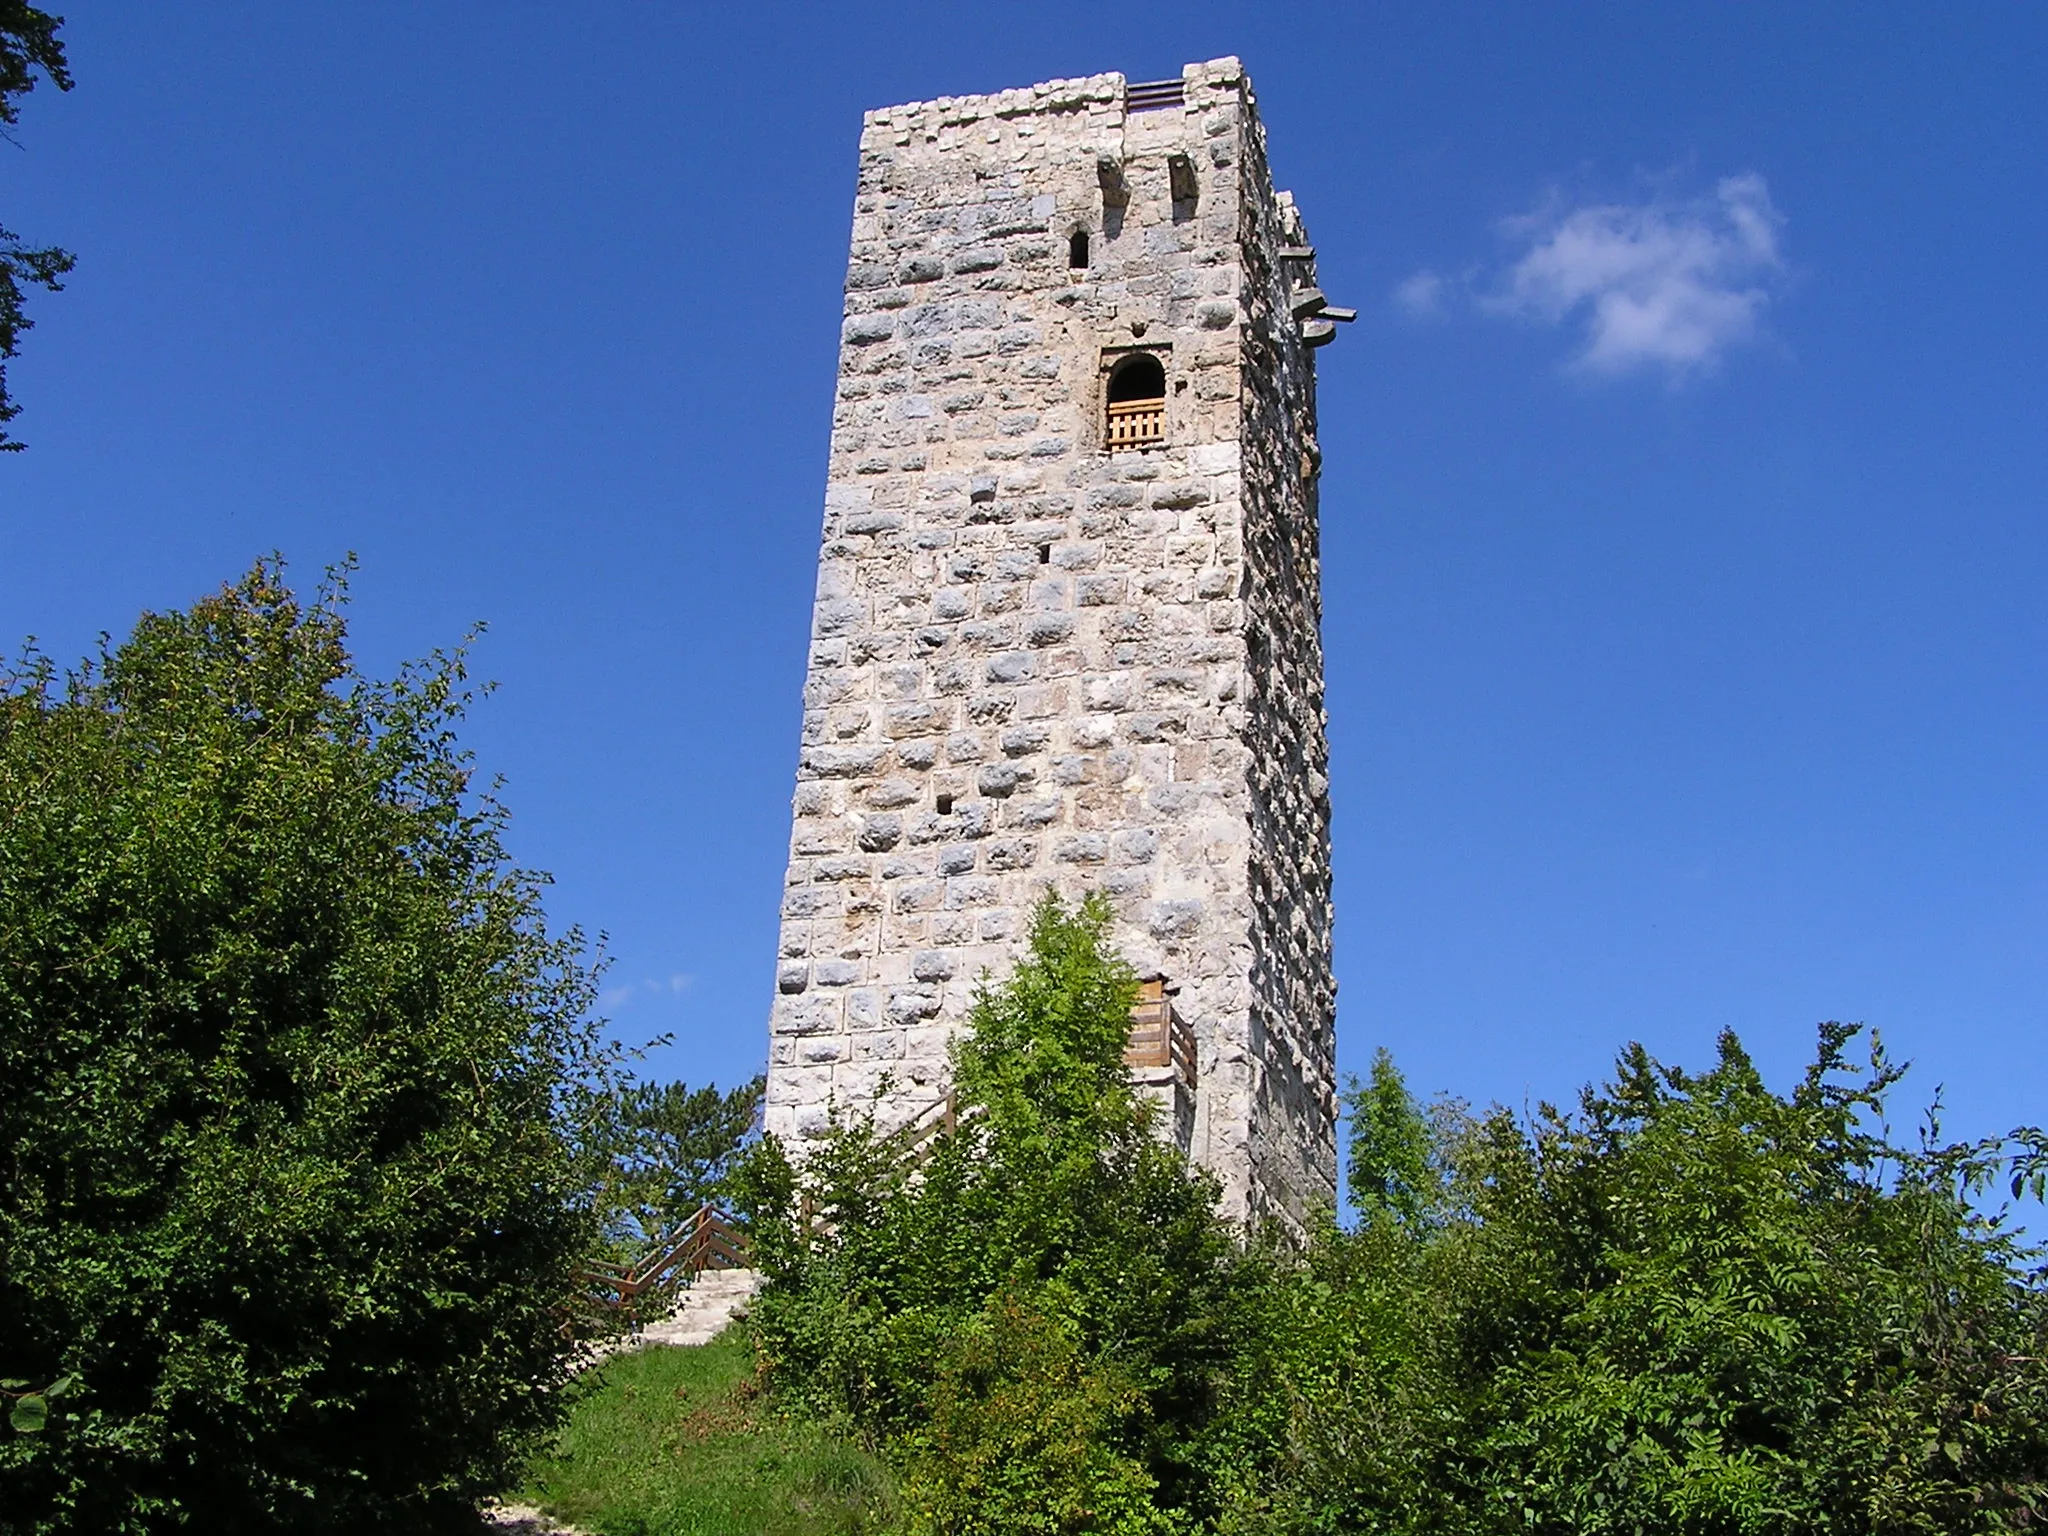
point(1694, 1306)
point(292, 1072)
point(1023, 1434)
point(1051, 1263)
point(1690, 1306)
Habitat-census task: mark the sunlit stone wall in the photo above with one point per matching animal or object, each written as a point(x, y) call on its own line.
point(1035, 662)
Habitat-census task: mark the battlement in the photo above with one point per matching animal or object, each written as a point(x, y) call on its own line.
point(1067, 621)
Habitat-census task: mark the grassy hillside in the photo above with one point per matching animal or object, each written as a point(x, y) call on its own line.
point(675, 1442)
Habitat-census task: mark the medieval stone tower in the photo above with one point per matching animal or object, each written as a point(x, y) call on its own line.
point(1066, 630)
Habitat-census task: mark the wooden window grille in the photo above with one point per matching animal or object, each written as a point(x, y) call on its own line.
point(1159, 1036)
point(1135, 414)
point(1136, 424)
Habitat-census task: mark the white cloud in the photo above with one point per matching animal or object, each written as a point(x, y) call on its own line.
point(1655, 284)
point(1421, 297)
point(618, 999)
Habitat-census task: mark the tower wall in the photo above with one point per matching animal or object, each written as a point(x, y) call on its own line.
point(1036, 662)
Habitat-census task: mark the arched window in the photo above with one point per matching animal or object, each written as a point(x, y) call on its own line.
point(1077, 248)
point(1136, 409)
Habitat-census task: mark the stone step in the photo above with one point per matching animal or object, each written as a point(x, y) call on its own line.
point(711, 1302)
point(523, 1520)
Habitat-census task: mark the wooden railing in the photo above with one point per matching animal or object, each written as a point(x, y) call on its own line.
point(1159, 1036)
point(707, 1240)
point(913, 1139)
point(1135, 424)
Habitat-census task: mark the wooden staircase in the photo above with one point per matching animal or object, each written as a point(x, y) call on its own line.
point(693, 1281)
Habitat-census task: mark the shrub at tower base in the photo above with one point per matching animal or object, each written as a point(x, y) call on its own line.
point(1692, 1306)
point(1039, 1317)
point(289, 1075)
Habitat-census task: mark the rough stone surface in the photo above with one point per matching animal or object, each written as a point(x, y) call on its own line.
point(1035, 662)
point(523, 1520)
point(704, 1310)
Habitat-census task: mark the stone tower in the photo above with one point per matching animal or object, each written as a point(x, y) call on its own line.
point(1066, 629)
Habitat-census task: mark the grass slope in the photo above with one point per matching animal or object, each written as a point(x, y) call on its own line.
point(675, 1442)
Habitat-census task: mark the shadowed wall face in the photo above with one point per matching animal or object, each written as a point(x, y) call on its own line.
point(1067, 621)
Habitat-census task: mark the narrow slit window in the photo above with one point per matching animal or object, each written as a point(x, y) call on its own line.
point(1136, 410)
point(1045, 554)
point(1077, 249)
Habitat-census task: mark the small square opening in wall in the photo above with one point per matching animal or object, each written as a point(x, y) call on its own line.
point(1045, 554)
point(945, 804)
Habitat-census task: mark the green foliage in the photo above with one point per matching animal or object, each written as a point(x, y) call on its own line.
point(1689, 1306)
point(29, 1407)
point(680, 1442)
point(29, 47)
point(1023, 1435)
point(1049, 1238)
point(1693, 1306)
point(1390, 1173)
point(292, 1072)
point(668, 1150)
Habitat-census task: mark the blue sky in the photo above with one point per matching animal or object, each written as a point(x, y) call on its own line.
point(1683, 504)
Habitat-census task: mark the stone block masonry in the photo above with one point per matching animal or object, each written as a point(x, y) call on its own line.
point(1039, 660)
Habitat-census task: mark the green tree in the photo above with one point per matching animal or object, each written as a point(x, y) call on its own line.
point(29, 49)
point(671, 1151)
point(1050, 1237)
point(1391, 1171)
point(1691, 1306)
point(293, 1073)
